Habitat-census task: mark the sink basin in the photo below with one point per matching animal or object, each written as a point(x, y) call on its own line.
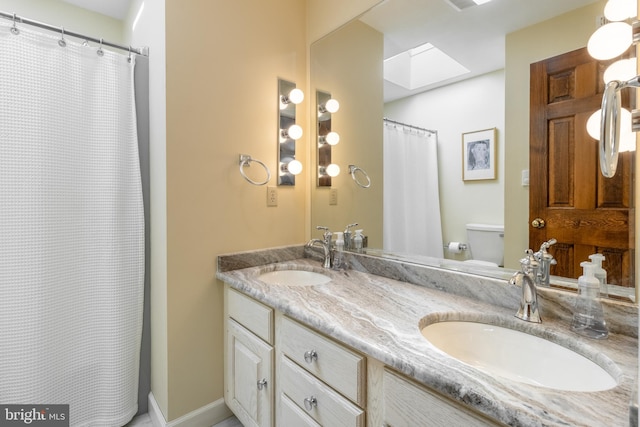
point(517, 356)
point(294, 278)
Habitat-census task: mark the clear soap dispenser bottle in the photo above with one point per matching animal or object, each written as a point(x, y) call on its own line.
point(357, 241)
point(600, 274)
point(339, 262)
point(588, 317)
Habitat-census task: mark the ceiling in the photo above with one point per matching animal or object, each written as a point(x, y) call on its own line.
point(117, 9)
point(475, 36)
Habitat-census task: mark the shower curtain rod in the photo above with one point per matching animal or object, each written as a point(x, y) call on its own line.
point(19, 19)
point(409, 126)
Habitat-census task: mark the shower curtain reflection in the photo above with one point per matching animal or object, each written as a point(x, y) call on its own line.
point(411, 215)
point(71, 228)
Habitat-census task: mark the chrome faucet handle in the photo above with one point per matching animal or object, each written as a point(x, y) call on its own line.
point(326, 235)
point(346, 229)
point(529, 263)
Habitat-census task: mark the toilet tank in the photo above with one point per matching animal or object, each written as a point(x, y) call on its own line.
point(486, 242)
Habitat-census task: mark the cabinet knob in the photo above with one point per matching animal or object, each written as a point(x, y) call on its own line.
point(310, 402)
point(262, 383)
point(310, 356)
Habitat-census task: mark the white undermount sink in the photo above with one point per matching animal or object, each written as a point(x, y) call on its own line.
point(517, 356)
point(294, 278)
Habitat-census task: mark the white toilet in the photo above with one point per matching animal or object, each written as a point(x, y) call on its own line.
point(486, 244)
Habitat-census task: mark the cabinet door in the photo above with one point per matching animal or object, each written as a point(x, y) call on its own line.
point(249, 377)
point(408, 405)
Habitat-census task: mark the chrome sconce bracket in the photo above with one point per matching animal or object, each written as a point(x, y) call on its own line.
point(326, 138)
point(288, 132)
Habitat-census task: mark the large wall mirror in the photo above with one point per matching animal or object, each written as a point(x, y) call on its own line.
point(490, 48)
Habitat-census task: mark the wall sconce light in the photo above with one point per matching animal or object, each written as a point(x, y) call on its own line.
point(332, 138)
point(294, 167)
point(294, 132)
point(288, 132)
point(295, 96)
point(329, 106)
point(326, 138)
point(612, 125)
point(331, 170)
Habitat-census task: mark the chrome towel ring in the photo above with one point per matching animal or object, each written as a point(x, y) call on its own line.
point(353, 169)
point(245, 160)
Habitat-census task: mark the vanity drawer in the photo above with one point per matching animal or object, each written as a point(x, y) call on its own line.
point(315, 398)
point(256, 317)
point(291, 415)
point(334, 364)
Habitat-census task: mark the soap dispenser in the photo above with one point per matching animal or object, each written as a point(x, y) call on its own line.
point(600, 274)
point(357, 241)
point(339, 262)
point(588, 316)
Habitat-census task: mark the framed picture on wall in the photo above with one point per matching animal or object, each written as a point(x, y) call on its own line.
point(479, 155)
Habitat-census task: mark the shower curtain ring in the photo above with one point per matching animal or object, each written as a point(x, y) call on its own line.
point(100, 52)
point(14, 30)
point(129, 59)
point(62, 42)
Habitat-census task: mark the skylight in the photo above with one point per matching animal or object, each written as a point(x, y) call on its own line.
point(421, 66)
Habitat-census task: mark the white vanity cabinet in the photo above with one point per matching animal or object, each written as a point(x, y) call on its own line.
point(249, 364)
point(279, 372)
point(323, 379)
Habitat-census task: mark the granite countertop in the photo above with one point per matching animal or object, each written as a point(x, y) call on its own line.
point(382, 317)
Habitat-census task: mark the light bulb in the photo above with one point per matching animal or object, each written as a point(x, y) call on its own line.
point(593, 125)
point(296, 96)
point(622, 70)
point(619, 10)
point(332, 138)
point(294, 132)
point(610, 40)
point(627, 136)
point(332, 105)
point(294, 167)
point(332, 170)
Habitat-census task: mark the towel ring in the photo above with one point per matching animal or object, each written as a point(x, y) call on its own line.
point(353, 169)
point(245, 160)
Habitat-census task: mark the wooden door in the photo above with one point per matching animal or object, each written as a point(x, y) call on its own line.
point(583, 210)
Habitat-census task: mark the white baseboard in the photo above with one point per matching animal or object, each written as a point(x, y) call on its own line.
point(205, 416)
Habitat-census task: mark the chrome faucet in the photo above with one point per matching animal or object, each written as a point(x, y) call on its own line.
point(528, 310)
point(325, 243)
point(545, 261)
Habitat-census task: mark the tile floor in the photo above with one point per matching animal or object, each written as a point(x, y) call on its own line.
point(145, 421)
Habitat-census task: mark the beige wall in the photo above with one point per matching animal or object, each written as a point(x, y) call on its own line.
point(553, 37)
point(348, 64)
point(223, 63)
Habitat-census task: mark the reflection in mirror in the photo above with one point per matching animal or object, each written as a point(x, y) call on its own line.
point(490, 96)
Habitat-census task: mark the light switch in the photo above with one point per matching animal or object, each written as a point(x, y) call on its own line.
point(272, 196)
point(333, 196)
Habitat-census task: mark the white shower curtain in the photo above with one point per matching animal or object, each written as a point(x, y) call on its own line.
point(411, 215)
point(71, 228)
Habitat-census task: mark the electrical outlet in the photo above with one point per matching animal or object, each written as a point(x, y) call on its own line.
point(333, 196)
point(272, 196)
